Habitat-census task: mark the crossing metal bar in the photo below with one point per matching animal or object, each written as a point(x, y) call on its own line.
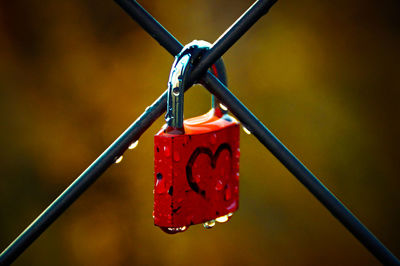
point(231, 35)
point(236, 107)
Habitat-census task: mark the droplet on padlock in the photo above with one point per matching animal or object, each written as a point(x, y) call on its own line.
point(213, 139)
point(175, 91)
point(197, 178)
point(160, 186)
point(237, 153)
point(174, 230)
point(209, 224)
point(223, 172)
point(167, 151)
point(222, 219)
point(177, 156)
point(219, 186)
point(228, 193)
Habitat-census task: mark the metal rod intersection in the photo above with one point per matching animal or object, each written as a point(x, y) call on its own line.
point(169, 42)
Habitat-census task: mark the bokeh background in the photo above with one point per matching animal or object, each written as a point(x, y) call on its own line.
point(324, 76)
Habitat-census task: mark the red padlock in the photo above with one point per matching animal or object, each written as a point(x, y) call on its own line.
point(196, 160)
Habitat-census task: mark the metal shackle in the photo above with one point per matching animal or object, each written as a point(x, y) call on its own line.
point(178, 78)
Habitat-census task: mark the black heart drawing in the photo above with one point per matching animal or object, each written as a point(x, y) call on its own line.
point(214, 157)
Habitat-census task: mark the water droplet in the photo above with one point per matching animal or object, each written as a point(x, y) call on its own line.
point(133, 145)
point(174, 230)
point(168, 118)
point(167, 151)
point(237, 176)
point(222, 219)
point(228, 193)
point(223, 107)
point(248, 132)
point(236, 189)
point(213, 139)
point(223, 172)
point(182, 228)
point(160, 186)
point(232, 206)
point(177, 156)
point(237, 153)
point(209, 224)
point(197, 178)
point(186, 140)
point(119, 159)
point(219, 186)
point(153, 215)
point(175, 91)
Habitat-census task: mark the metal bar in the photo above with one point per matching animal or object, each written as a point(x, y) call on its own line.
point(219, 47)
point(105, 160)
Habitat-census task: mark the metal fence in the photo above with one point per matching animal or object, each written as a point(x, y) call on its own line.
point(200, 74)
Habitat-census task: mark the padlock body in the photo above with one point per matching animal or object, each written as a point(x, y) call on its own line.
point(196, 174)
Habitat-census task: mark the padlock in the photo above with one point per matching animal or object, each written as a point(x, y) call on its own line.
point(196, 173)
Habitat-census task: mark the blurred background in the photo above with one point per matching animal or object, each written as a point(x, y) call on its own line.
point(324, 76)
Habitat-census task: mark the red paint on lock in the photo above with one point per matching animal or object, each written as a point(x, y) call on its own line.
point(196, 173)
